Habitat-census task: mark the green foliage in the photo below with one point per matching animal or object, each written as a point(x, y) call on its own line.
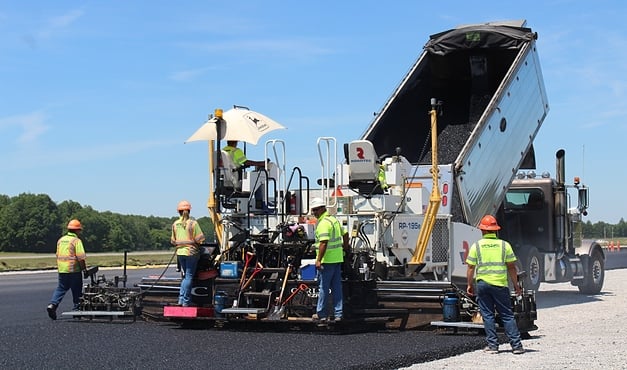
point(34, 223)
point(207, 228)
point(30, 222)
point(603, 230)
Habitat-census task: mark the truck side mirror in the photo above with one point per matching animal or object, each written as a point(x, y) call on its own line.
point(583, 199)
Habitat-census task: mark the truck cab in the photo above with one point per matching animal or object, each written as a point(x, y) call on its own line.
point(545, 232)
point(527, 223)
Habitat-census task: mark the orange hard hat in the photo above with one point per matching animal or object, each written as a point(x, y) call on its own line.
point(184, 206)
point(488, 223)
point(74, 225)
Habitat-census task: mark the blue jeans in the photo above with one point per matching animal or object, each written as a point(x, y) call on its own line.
point(495, 297)
point(188, 267)
point(330, 279)
point(69, 281)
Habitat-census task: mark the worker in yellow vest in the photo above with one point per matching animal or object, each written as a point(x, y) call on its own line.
point(238, 156)
point(381, 178)
point(331, 241)
point(490, 260)
point(186, 238)
point(241, 162)
point(70, 263)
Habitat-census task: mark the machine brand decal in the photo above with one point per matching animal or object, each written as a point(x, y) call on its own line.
point(360, 152)
point(404, 237)
point(312, 292)
point(258, 123)
point(200, 291)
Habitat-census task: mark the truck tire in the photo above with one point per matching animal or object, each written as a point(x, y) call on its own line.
point(532, 265)
point(593, 280)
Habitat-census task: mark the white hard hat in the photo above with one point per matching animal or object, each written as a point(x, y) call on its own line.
point(316, 202)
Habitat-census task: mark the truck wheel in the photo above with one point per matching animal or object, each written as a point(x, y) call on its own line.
point(532, 264)
point(593, 281)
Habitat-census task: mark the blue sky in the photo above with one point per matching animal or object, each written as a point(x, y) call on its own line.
point(98, 97)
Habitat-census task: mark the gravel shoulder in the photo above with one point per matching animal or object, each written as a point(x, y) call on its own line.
point(575, 331)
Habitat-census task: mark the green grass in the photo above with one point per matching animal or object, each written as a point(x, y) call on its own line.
point(32, 261)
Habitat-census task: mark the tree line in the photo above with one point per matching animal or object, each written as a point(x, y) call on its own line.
point(34, 223)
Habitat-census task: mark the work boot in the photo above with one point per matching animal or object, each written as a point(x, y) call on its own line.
point(518, 351)
point(491, 350)
point(52, 311)
point(318, 320)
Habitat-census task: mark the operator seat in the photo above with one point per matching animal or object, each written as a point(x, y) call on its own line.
point(363, 168)
point(232, 178)
point(231, 185)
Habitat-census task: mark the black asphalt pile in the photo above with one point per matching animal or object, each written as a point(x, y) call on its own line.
point(452, 136)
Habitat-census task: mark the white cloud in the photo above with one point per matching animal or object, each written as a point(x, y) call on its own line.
point(265, 48)
point(43, 157)
point(189, 74)
point(57, 24)
point(32, 125)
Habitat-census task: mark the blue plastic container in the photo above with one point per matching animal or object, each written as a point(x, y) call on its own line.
point(230, 269)
point(308, 272)
point(450, 310)
point(219, 301)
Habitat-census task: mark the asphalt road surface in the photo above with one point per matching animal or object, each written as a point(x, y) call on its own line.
point(30, 340)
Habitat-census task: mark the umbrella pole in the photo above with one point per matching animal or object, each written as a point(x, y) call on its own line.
point(211, 202)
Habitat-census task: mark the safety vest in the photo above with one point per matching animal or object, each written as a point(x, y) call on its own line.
point(330, 230)
point(381, 177)
point(69, 251)
point(186, 237)
point(491, 256)
point(237, 155)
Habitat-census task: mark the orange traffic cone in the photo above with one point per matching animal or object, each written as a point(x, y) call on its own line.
point(338, 192)
point(611, 246)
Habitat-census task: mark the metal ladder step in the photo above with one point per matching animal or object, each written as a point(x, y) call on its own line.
point(257, 294)
point(244, 310)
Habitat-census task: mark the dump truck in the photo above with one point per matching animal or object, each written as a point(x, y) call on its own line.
point(490, 81)
point(545, 231)
point(445, 149)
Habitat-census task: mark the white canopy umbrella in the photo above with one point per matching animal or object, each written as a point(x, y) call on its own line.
point(238, 123)
point(241, 124)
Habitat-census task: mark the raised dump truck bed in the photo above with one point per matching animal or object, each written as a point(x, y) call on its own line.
point(489, 80)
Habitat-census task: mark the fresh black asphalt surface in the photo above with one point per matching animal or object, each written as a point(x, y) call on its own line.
point(30, 340)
